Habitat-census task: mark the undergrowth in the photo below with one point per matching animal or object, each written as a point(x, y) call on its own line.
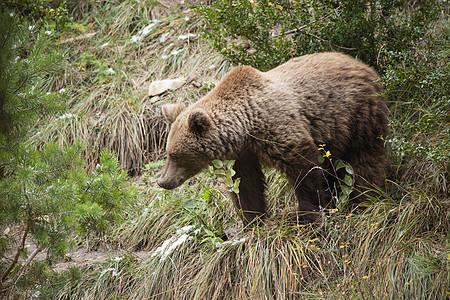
point(198, 250)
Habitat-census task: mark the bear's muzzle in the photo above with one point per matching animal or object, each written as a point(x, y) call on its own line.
point(168, 184)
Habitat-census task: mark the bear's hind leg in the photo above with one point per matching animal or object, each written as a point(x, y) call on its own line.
point(369, 167)
point(251, 188)
point(309, 192)
point(306, 178)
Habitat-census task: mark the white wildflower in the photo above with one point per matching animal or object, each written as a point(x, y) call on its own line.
point(11, 15)
point(118, 258)
point(236, 242)
point(211, 67)
point(186, 36)
point(48, 32)
point(106, 271)
point(232, 242)
point(36, 294)
point(167, 48)
point(175, 52)
point(171, 244)
point(186, 18)
point(146, 30)
point(62, 91)
point(30, 28)
point(66, 116)
point(185, 229)
point(178, 242)
point(136, 38)
point(110, 71)
point(163, 37)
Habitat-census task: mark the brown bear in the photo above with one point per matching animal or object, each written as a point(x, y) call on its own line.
point(277, 119)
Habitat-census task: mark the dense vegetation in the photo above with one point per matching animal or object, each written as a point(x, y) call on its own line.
point(76, 122)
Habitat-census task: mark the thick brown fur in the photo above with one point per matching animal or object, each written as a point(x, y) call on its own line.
point(277, 119)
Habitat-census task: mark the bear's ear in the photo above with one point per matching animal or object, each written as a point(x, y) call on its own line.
point(199, 122)
point(171, 111)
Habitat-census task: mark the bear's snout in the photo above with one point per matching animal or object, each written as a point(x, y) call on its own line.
point(165, 184)
point(171, 178)
point(174, 174)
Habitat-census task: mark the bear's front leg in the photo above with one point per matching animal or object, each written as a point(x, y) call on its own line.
point(250, 199)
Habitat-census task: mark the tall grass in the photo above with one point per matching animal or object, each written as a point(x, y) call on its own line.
point(394, 249)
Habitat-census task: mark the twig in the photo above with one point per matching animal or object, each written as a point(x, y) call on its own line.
point(24, 266)
point(16, 257)
point(326, 41)
point(61, 168)
point(7, 36)
point(81, 37)
point(301, 29)
point(37, 71)
point(378, 55)
point(304, 26)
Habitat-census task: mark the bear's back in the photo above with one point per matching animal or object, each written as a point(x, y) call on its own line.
point(334, 96)
point(331, 82)
point(329, 65)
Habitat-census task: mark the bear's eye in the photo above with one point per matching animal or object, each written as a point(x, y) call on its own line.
point(173, 157)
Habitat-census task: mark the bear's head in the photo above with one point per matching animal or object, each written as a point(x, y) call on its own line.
point(187, 144)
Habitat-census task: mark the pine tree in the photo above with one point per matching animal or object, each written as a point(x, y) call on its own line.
point(33, 208)
point(45, 194)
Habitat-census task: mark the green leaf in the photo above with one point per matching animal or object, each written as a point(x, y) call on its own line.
point(235, 188)
point(349, 169)
point(228, 164)
point(321, 159)
point(190, 204)
point(339, 165)
point(228, 182)
point(230, 173)
point(346, 190)
point(348, 180)
point(217, 163)
point(219, 173)
point(207, 194)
